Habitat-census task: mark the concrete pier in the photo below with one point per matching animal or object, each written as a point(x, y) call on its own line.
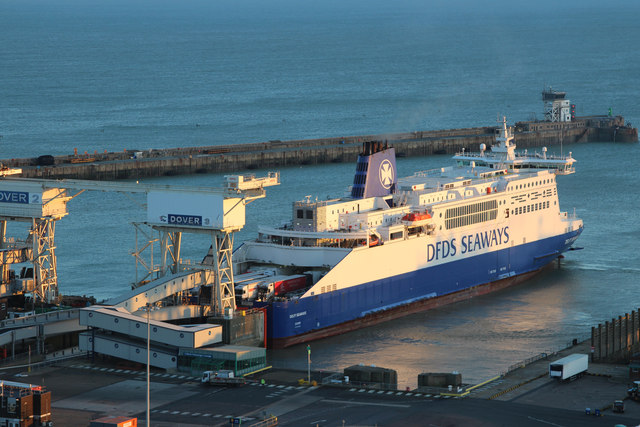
point(131, 164)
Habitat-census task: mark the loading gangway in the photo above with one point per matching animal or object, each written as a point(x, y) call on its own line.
point(39, 327)
point(160, 289)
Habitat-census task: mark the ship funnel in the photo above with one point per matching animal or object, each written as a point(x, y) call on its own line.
point(375, 171)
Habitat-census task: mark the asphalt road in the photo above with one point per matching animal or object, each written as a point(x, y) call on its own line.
point(82, 391)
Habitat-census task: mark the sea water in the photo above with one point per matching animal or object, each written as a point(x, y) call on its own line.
point(139, 75)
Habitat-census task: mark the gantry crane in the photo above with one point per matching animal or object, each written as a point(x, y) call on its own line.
point(171, 210)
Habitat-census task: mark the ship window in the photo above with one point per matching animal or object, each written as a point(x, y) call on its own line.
point(300, 213)
point(397, 235)
point(309, 214)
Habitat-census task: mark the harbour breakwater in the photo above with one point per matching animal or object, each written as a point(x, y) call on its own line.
point(133, 164)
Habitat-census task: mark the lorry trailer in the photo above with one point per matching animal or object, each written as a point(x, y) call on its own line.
point(570, 367)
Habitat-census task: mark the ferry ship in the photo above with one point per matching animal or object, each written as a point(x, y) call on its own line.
point(398, 246)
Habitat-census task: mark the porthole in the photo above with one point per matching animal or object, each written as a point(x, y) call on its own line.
point(137, 325)
point(155, 329)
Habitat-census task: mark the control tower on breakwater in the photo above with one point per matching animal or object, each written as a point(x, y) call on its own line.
point(556, 107)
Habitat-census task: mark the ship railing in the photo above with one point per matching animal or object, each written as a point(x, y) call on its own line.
point(569, 215)
point(308, 202)
point(426, 173)
point(518, 155)
point(345, 234)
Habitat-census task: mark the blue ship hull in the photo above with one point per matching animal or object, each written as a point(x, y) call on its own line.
point(305, 319)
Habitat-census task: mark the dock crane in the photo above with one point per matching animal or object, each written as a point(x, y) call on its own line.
point(171, 210)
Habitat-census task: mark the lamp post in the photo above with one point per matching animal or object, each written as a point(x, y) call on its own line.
point(309, 364)
point(148, 351)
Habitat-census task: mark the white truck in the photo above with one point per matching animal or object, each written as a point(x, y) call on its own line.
point(222, 377)
point(570, 367)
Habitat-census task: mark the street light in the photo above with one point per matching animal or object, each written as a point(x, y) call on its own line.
point(309, 364)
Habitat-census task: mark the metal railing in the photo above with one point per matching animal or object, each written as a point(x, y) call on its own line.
point(540, 356)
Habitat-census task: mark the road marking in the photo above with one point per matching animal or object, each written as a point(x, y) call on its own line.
point(206, 415)
point(350, 402)
point(195, 414)
point(166, 411)
point(217, 416)
point(317, 422)
point(175, 412)
point(545, 422)
point(185, 413)
point(280, 386)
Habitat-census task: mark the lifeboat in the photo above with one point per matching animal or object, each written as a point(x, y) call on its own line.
point(373, 241)
point(414, 219)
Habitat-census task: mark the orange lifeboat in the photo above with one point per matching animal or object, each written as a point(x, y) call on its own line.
point(414, 219)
